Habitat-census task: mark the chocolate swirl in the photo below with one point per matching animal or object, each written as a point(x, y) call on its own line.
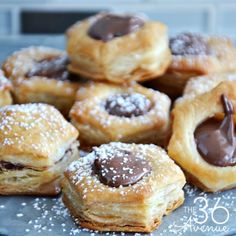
point(110, 26)
point(127, 105)
point(121, 169)
point(216, 141)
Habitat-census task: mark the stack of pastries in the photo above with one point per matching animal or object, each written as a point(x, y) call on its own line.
point(115, 87)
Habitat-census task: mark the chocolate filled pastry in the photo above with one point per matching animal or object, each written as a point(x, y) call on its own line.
point(37, 144)
point(123, 187)
point(108, 112)
point(5, 90)
point(201, 84)
point(203, 142)
point(39, 74)
point(118, 48)
point(195, 55)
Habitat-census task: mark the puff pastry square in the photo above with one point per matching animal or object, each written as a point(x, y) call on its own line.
point(5, 90)
point(97, 126)
point(187, 116)
point(138, 56)
point(134, 208)
point(220, 57)
point(36, 145)
point(30, 87)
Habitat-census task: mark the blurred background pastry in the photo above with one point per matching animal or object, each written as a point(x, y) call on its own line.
point(118, 48)
point(39, 74)
point(194, 55)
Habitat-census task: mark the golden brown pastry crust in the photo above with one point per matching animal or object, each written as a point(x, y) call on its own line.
point(222, 59)
point(5, 88)
point(29, 181)
point(202, 84)
point(36, 135)
point(61, 94)
point(139, 56)
point(38, 143)
point(187, 115)
point(141, 206)
point(97, 126)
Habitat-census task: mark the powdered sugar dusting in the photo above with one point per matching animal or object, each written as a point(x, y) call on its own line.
point(82, 172)
point(19, 124)
point(4, 82)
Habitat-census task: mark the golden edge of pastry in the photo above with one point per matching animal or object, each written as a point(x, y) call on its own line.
point(187, 115)
point(141, 205)
point(140, 55)
point(97, 126)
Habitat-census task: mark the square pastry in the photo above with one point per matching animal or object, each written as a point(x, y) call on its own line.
point(106, 112)
point(123, 187)
point(36, 145)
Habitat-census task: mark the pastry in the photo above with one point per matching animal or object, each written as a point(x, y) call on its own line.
point(39, 74)
point(201, 84)
point(118, 48)
point(123, 187)
point(203, 142)
point(194, 55)
point(36, 145)
point(107, 112)
point(5, 89)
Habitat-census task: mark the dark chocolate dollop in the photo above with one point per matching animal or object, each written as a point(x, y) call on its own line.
point(188, 44)
point(5, 165)
point(216, 140)
point(109, 26)
point(122, 169)
point(54, 68)
point(127, 105)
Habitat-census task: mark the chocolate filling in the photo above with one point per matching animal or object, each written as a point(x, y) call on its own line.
point(216, 140)
point(122, 169)
point(109, 26)
point(5, 165)
point(127, 105)
point(54, 68)
point(188, 44)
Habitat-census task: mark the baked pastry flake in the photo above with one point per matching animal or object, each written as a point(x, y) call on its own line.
point(5, 90)
point(36, 145)
point(195, 55)
point(203, 141)
point(118, 48)
point(202, 84)
point(123, 187)
point(108, 112)
point(39, 74)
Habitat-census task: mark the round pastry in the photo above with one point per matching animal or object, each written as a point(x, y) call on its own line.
point(118, 48)
point(5, 89)
point(194, 55)
point(203, 142)
point(108, 112)
point(36, 145)
point(123, 187)
point(39, 74)
point(201, 84)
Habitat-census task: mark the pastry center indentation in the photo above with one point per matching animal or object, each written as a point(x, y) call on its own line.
point(216, 140)
point(127, 105)
point(188, 44)
point(110, 26)
point(52, 67)
point(122, 168)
